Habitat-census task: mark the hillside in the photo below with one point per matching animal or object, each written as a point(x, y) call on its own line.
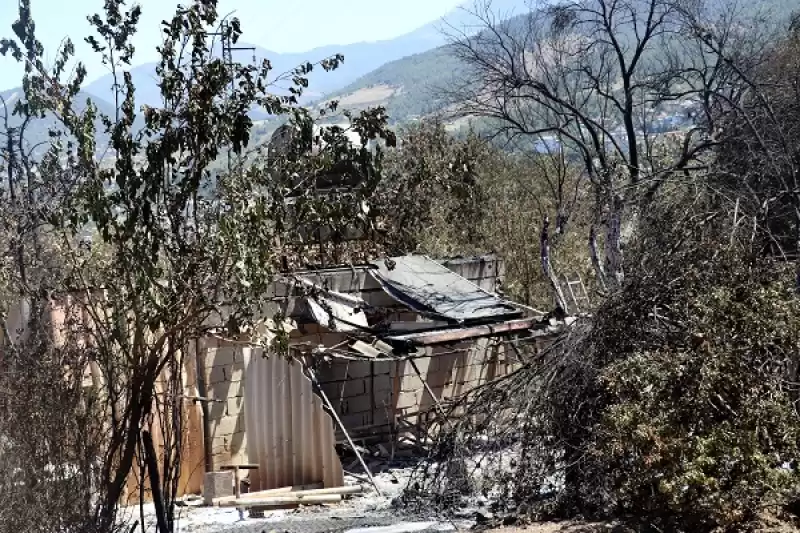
point(37, 133)
point(359, 59)
point(415, 86)
point(409, 88)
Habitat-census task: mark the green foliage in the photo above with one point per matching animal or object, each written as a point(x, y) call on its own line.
point(690, 376)
point(464, 196)
point(674, 406)
point(703, 430)
point(521, 191)
point(178, 248)
point(431, 196)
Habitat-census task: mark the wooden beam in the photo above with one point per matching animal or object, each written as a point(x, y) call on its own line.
point(289, 492)
point(276, 501)
point(454, 335)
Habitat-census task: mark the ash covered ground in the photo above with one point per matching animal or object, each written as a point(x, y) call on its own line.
point(369, 512)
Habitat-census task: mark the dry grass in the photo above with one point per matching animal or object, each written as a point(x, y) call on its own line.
point(368, 96)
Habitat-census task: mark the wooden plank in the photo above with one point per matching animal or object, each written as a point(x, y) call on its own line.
point(450, 336)
point(300, 491)
point(275, 501)
point(365, 349)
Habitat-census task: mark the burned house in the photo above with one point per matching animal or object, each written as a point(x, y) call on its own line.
point(375, 354)
point(370, 356)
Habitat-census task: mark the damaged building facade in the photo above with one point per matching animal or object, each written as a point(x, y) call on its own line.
point(375, 355)
point(371, 356)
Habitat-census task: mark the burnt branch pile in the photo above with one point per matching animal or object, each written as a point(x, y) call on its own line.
point(675, 405)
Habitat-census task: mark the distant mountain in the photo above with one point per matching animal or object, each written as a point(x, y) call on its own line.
point(359, 58)
point(409, 88)
point(416, 86)
point(37, 132)
point(146, 83)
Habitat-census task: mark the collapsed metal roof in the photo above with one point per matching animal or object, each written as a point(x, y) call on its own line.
point(455, 309)
point(427, 287)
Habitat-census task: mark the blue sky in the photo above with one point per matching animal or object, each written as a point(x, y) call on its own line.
point(278, 25)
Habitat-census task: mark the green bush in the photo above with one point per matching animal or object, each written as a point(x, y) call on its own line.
point(674, 406)
point(695, 366)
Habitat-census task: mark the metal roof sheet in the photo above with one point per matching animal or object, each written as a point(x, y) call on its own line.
point(426, 286)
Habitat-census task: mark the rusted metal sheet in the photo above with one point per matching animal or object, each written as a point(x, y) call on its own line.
point(430, 338)
point(289, 435)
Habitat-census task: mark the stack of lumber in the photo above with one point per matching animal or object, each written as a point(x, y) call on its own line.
point(289, 496)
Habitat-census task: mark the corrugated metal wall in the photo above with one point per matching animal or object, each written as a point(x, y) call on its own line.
point(289, 435)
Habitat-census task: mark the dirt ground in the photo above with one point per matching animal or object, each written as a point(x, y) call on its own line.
point(564, 527)
point(771, 525)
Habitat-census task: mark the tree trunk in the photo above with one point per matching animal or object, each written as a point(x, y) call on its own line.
point(547, 266)
point(600, 274)
point(613, 246)
point(155, 483)
point(797, 248)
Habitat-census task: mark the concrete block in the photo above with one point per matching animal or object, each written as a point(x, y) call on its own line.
point(423, 363)
point(439, 376)
point(382, 385)
point(360, 404)
point(332, 390)
point(238, 445)
point(356, 420)
point(411, 384)
point(229, 449)
point(227, 425)
point(342, 407)
point(222, 390)
point(211, 343)
point(408, 399)
point(353, 388)
point(235, 406)
point(234, 372)
point(244, 353)
point(236, 389)
point(217, 485)
point(216, 410)
point(332, 371)
point(219, 357)
point(364, 369)
point(220, 446)
point(215, 374)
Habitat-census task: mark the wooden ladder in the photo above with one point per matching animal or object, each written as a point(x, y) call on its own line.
point(577, 292)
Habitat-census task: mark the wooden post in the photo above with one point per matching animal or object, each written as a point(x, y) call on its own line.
point(202, 391)
point(237, 475)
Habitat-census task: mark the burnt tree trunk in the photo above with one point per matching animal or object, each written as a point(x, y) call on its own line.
point(155, 483)
point(597, 221)
point(613, 247)
point(547, 266)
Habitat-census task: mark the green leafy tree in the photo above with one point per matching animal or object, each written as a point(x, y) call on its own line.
point(176, 248)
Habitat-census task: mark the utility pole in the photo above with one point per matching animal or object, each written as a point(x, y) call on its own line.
point(228, 49)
